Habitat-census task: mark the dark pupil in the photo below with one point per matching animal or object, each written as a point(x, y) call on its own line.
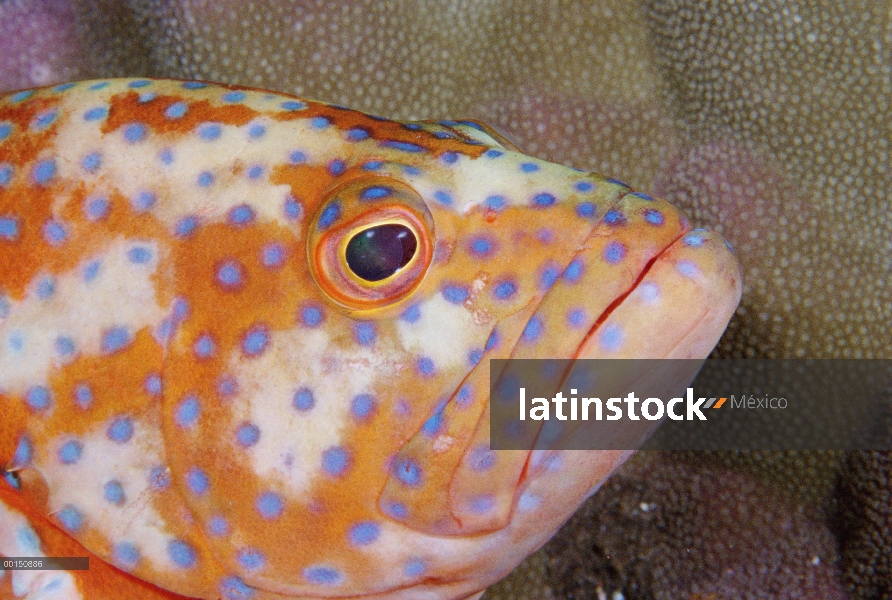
point(379, 252)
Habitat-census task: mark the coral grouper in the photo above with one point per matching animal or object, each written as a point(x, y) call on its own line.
point(244, 340)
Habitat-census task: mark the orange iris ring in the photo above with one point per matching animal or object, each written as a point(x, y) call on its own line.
point(334, 277)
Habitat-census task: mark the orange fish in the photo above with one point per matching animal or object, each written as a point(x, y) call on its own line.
point(244, 340)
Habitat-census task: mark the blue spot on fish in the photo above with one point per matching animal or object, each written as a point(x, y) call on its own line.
point(576, 317)
point(70, 452)
point(197, 481)
point(694, 240)
point(654, 217)
point(256, 340)
point(113, 491)
point(364, 333)
point(186, 226)
point(544, 200)
point(270, 505)
point(38, 398)
point(83, 395)
point(177, 110)
point(159, 478)
point(96, 114)
point(250, 558)
point(407, 472)
point(364, 533)
point(375, 192)
point(182, 553)
point(411, 314)
point(357, 134)
point(218, 526)
point(533, 330)
point(331, 214)
point(363, 405)
point(456, 294)
point(115, 339)
point(44, 171)
point(573, 271)
point(611, 337)
point(495, 202)
point(188, 411)
point(96, 209)
point(272, 255)
point(71, 518)
point(54, 233)
point(443, 197)
point(311, 315)
point(126, 555)
point(233, 588)
point(46, 287)
point(9, 228)
point(403, 146)
point(209, 131)
point(92, 162)
point(139, 255)
point(321, 575)
point(614, 217)
point(135, 132)
point(247, 435)
point(614, 252)
point(120, 430)
point(335, 461)
point(6, 172)
point(241, 215)
point(425, 366)
point(91, 271)
point(586, 210)
point(505, 290)
point(303, 400)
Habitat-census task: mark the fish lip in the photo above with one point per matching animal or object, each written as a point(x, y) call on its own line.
point(622, 297)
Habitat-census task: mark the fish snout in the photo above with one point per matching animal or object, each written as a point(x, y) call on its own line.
point(641, 284)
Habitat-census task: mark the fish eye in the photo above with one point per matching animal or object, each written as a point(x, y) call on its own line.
point(378, 252)
point(370, 243)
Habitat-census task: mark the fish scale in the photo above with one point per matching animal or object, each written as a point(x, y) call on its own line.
point(199, 389)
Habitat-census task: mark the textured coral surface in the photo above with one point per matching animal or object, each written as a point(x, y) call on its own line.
point(769, 121)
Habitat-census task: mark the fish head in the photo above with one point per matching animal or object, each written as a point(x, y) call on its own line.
point(425, 266)
point(281, 315)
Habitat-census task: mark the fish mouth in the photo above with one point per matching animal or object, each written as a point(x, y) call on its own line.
point(643, 285)
point(671, 300)
point(678, 307)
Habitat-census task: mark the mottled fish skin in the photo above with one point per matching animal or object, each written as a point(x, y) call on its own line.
point(196, 389)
